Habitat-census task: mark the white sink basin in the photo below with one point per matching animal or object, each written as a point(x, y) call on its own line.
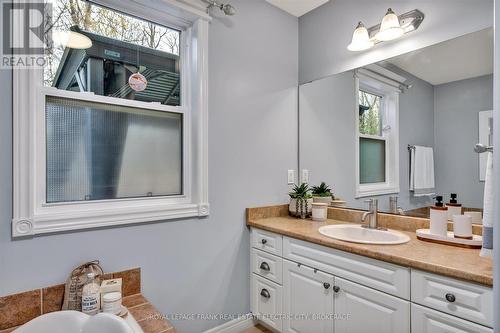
point(358, 234)
point(77, 322)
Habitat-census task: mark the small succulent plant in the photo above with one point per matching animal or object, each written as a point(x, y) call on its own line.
point(301, 194)
point(322, 190)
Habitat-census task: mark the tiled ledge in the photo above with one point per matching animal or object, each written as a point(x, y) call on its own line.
point(17, 309)
point(146, 315)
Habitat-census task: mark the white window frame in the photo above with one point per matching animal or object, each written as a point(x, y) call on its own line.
point(375, 84)
point(32, 215)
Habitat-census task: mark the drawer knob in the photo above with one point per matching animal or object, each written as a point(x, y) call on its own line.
point(336, 289)
point(265, 293)
point(326, 285)
point(264, 266)
point(450, 298)
point(263, 241)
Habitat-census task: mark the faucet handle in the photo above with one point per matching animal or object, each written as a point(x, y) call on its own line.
point(373, 203)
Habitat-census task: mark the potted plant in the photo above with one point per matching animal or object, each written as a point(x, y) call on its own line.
point(300, 201)
point(322, 193)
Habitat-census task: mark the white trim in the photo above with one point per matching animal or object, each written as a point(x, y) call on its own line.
point(390, 98)
point(171, 13)
point(237, 325)
point(31, 214)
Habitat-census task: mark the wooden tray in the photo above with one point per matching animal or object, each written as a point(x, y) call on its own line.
point(475, 243)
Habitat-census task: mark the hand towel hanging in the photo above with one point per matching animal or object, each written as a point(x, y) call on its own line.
point(422, 182)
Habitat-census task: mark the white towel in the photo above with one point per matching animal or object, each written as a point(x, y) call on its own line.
point(422, 171)
point(487, 248)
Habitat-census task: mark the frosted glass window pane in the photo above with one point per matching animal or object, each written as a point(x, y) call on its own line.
point(371, 161)
point(98, 151)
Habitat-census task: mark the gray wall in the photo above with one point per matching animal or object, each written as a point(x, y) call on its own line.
point(327, 133)
point(456, 106)
point(325, 32)
point(193, 265)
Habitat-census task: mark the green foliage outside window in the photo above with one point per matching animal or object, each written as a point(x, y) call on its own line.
point(370, 118)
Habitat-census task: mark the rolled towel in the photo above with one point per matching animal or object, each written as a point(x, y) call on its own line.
point(487, 249)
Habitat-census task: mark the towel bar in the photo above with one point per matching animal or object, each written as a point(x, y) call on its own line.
point(480, 148)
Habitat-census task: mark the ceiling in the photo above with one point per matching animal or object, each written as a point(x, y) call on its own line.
point(297, 7)
point(460, 58)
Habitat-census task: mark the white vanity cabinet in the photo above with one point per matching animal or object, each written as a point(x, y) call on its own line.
point(302, 287)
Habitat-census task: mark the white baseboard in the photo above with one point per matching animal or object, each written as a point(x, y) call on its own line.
point(234, 326)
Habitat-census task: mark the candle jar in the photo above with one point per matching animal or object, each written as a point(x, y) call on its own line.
point(319, 211)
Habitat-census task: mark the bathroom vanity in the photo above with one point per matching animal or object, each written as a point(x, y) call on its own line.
point(302, 281)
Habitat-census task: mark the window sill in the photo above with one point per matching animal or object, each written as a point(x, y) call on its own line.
point(52, 222)
point(374, 190)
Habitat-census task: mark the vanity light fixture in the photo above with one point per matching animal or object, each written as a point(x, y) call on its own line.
point(392, 27)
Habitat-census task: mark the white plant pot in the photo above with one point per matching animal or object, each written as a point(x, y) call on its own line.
point(326, 200)
point(293, 206)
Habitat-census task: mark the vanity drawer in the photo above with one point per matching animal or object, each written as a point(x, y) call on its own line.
point(266, 241)
point(462, 299)
point(425, 320)
point(386, 277)
point(266, 301)
point(267, 265)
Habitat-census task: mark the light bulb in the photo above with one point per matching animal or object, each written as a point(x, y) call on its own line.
point(360, 39)
point(71, 39)
point(389, 28)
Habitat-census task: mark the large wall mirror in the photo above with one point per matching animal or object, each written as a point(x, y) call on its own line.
point(402, 130)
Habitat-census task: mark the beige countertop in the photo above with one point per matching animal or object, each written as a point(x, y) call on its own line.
point(461, 263)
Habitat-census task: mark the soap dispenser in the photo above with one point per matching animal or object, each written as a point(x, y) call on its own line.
point(439, 218)
point(454, 208)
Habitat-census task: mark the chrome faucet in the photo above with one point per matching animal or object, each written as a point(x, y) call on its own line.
point(393, 206)
point(372, 212)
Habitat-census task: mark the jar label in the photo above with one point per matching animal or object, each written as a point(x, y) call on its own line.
point(89, 303)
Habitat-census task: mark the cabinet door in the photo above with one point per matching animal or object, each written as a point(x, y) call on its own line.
point(266, 301)
point(359, 309)
point(425, 320)
point(307, 299)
